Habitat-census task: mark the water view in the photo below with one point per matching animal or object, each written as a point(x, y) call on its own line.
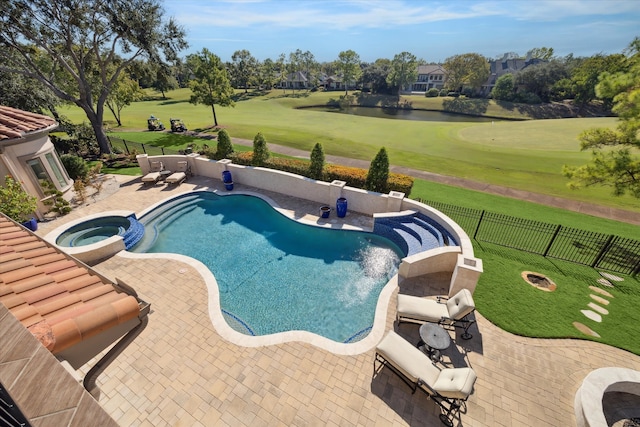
point(394, 113)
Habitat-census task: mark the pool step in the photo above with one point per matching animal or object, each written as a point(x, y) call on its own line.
point(412, 233)
point(134, 233)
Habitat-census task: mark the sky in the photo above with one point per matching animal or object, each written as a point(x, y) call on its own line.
point(430, 30)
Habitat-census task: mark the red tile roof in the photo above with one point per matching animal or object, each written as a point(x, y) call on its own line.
point(61, 301)
point(16, 123)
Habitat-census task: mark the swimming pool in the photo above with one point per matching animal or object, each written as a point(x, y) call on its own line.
point(275, 274)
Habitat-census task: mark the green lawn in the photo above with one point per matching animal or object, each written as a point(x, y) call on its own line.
point(527, 155)
point(503, 297)
point(521, 154)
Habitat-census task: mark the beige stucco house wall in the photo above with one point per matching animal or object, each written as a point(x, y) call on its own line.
point(28, 155)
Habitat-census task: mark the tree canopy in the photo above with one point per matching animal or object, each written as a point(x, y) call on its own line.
point(243, 68)
point(348, 64)
point(615, 160)
point(404, 70)
point(77, 49)
point(210, 84)
point(468, 69)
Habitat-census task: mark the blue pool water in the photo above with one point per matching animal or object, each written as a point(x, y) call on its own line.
point(275, 274)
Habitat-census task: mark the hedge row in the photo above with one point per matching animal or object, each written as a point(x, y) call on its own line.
point(354, 177)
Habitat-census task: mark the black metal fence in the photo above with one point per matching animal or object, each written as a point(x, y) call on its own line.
point(130, 147)
point(597, 250)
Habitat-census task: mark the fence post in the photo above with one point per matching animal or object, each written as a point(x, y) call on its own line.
point(475, 233)
point(126, 147)
point(145, 151)
point(162, 148)
point(553, 239)
point(603, 251)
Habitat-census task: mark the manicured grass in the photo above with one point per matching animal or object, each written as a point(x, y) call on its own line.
point(431, 191)
point(527, 155)
point(503, 297)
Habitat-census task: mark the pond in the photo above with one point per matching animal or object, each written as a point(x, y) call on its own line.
point(400, 114)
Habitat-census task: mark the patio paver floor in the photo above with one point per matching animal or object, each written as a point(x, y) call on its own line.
point(180, 372)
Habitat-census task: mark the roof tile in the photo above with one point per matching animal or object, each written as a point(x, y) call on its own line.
point(61, 301)
point(15, 124)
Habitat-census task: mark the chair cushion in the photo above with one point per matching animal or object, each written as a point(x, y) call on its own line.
point(406, 358)
point(182, 166)
point(423, 309)
point(460, 304)
point(455, 383)
point(151, 177)
point(156, 166)
point(176, 177)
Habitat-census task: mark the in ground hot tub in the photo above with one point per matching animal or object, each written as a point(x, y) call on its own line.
point(100, 236)
point(93, 230)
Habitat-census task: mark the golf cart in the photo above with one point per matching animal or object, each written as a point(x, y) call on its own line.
point(177, 125)
point(154, 124)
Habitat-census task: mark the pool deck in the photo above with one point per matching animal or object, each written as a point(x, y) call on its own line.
point(180, 372)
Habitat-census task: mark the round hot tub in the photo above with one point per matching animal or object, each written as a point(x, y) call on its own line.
point(99, 236)
point(93, 230)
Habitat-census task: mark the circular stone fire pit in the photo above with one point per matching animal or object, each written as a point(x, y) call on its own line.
point(538, 280)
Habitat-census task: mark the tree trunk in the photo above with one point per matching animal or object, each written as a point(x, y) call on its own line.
point(96, 124)
point(215, 119)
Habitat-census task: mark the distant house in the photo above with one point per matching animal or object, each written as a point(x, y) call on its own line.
point(27, 153)
point(297, 80)
point(429, 77)
point(506, 65)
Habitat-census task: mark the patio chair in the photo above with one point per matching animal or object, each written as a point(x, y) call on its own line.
point(449, 388)
point(454, 312)
point(154, 175)
point(180, 174)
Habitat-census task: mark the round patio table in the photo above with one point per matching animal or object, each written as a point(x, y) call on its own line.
point(435, 338)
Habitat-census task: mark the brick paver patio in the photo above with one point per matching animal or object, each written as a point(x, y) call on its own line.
point(180, 372)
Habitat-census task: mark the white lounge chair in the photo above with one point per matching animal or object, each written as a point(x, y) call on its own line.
point(448, 387)
point(154, 172)
point(444, 311)
point(180, 174)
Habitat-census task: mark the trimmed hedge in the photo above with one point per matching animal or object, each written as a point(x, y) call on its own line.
point(354, 177)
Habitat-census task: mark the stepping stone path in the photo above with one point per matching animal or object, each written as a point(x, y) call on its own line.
point(596, 311)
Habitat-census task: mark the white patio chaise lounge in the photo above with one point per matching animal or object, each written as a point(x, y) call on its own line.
point(453, 311)
point(182, 170)
point(154, 175)
point(448, 387)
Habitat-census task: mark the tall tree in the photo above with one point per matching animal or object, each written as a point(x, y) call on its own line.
point(309, 67)
point(243, 68)
point(404, 71)
point(348, 64)
point(539, 79)
point(375, 75)
point(20, 91)
point(266, 76)
point(504, 88)
point(87, 43)
point(281, 71)
point(210, 85)
point(124, 92)
point(584, 75)
point(615, 161)
point(164, 80)
point(544, 53)
point(468, 69)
